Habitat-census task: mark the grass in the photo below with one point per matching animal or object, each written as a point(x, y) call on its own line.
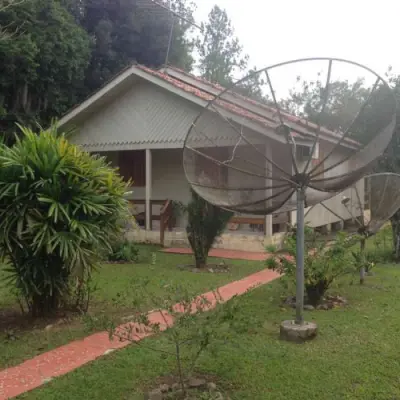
point(21, 339)
point(355, 356)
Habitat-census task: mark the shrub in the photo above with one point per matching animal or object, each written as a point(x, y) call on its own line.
point(205, 223)
point(323, 262)
point(59, 208)
point(190, 328)
point(124, 251)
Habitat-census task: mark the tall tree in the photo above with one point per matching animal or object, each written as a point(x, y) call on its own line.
point(220, 52)
point(69, 48)
point(42, 67)
point(127, 31)
point(345, 101)
point(5, 33)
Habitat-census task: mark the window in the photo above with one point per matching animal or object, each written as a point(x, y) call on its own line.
point(132, 165)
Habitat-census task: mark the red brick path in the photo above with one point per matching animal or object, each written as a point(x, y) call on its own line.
point(39, 370)
point(221, 253)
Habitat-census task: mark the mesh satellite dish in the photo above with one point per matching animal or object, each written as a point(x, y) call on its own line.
point(369, 204)
point(289, 136)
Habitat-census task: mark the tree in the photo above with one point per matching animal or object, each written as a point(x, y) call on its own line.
point(5, 33)
point(42, 68)
point(345, 101)
point(221, 55)
point(66, 49)
point(390, 161)
point(205, 223)
point(127, 31)
point(60, 208)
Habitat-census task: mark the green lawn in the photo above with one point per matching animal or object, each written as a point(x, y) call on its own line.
point(355, 356)
point(113, 281)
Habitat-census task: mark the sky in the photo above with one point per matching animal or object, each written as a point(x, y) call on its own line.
point(276, 31)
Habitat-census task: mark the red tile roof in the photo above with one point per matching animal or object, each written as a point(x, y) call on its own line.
point(267, 115)
point(270, 122)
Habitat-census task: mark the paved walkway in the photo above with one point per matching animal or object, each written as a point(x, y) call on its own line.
point(221, 253)
point(41, 369)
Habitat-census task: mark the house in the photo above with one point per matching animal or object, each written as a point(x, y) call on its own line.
point(139, 121)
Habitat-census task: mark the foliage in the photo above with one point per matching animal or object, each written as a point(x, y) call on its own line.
point(205, 223)
point(108, 283)
point(323, 262)
point(43, 66)
point(5, 33)
point(381, 249)
point(124, 251)
point(188, 327)
point(59, 207)
point(63, 50)
point(221, 55)
point(346, 100)
point(355, 344)
point(362, 262)
point(126, 31)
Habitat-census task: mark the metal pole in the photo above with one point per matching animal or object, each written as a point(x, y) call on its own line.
point(300, 257)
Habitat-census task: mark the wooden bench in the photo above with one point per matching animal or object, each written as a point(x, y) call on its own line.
point(277, 221)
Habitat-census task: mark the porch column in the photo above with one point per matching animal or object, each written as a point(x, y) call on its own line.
point(148, 189)
point(268, 183)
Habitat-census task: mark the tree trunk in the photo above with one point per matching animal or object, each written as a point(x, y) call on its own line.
point(200, 251)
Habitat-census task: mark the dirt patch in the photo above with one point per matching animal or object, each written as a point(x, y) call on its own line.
point(204, 387)
point(327, 303)
point(210, 268)
point(12, 320)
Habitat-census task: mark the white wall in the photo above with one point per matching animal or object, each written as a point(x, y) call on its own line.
point(318, 215)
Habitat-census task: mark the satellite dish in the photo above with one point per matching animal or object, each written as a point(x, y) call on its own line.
point(369, 204)
point(289, 136)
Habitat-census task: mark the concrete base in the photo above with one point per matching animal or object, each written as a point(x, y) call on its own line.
point(227, 241)
point(292, 332)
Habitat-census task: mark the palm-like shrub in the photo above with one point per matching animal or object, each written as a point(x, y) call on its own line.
point(60, 209)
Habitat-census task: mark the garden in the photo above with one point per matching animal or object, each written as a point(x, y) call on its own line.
point(68, 272)
point(355, 355)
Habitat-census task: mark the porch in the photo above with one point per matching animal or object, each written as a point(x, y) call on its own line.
point(166, 225)
point(159, 183)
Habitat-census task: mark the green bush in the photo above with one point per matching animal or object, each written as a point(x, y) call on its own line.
point(323, 262)
point(59, 208)
point(205, 223)
point(124, 251)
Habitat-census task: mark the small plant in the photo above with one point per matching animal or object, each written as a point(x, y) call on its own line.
point(361, 263)
point(189, 329)
point(323, 262)
point(124, 251)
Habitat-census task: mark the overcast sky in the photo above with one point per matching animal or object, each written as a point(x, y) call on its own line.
point(275, 31)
